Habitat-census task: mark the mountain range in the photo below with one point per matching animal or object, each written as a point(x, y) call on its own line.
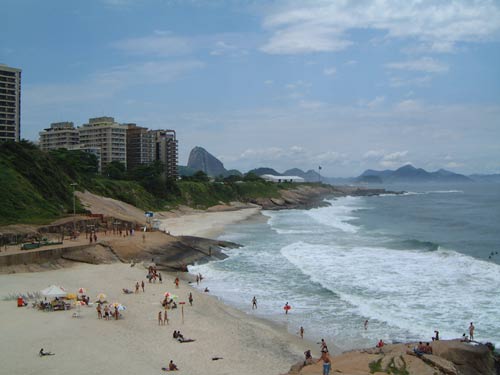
point(201, 160)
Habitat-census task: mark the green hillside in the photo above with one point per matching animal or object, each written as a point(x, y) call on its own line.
point(35, 186)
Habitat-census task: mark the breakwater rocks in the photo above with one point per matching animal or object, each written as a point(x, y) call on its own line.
point(311, 196)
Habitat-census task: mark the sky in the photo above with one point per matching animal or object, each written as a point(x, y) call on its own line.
point(345, 85)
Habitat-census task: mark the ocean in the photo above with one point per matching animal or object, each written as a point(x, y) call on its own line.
point(409, 264)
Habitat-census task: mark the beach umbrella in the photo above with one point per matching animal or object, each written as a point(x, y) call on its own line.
point(121, 308)
point(173, 296)
point(101, 297)
point(167, 294)
point(82, 291)
point(54, 291)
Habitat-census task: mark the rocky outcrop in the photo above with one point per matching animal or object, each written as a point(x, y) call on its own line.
point(201, 160)
point(310, 196)
point(450, 357)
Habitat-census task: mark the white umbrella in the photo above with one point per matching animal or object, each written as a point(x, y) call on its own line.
point(54, 291)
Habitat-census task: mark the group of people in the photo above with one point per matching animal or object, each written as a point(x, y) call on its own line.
point(325, 357)
point(109, 312)
point(153, 274)
point(422, 349)
point(179, 337)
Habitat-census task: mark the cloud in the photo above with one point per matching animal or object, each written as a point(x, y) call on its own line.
point(409, 105)
point(310, 104)
point(324, 26)
point(330, 71)
point(159, 44)
point(106, 84)
point(386, 160)
point(424, 64)
point(423, 81)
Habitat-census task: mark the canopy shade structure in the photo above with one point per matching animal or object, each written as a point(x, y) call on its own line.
point(54, 291)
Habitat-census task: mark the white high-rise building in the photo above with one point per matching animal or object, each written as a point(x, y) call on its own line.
point(59, 135)
point(109, 136)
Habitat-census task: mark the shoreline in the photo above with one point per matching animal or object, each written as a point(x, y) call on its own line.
point(249, 344)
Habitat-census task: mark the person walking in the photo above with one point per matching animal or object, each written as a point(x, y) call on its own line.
point(326, 363)
point(142, 285)
point(190, 299)
point(254, 303)
point(160, 319)
point(301, 332)
point(137, 287)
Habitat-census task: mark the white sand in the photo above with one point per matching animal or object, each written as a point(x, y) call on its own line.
point(205, 224)
point(136, 344)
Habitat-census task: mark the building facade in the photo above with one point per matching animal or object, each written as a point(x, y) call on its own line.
point(166, 151)
point(109, 136)
point(10, 103)
point(140, 146)
point(59, 135)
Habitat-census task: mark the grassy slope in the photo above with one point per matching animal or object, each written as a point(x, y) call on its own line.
point(35, 188)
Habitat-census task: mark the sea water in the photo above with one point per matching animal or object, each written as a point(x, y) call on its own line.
point(409, 264)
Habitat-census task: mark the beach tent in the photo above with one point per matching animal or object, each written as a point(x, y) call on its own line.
point(53, 291)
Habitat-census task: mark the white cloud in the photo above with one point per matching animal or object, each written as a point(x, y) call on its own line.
point(424, 64)
point(330, 71)
point(418, 81)
point(310, 104)
point(409, 105)
point(323, 26)
point(106, 84)
point(378, 101)
point(159, 44)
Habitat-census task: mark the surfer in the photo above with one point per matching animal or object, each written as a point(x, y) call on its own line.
point(254, 303)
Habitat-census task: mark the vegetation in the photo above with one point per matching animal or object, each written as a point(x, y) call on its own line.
point(37, 187)
point(392, 368)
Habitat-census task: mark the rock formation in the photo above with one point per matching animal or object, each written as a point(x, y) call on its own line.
point(201, 160)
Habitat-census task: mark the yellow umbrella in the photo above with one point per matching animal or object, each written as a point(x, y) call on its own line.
point(101, 297)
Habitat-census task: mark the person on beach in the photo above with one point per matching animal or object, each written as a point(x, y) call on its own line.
point(159, 277)
point(190, 298)
point(160, 319)
point(324, 348)
point(165, 317)
point(301, 332)
point(436, 336)
point(197, 280)
point(142, 285)
point(99, 311)
point(137, 287)
point(254, 303)
point(117, 314)
point(41, 353)
point(471, 331)
point(172, 366)
point(106, 312)
point(366, 324)
point(176, 282)
point(326, 363)
point(309, 359)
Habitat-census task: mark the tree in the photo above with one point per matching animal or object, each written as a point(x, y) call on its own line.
point(115, 170)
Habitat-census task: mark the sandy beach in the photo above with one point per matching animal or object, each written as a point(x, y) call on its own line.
point(136, 344)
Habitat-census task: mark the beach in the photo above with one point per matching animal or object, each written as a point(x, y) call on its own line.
point(136, 344)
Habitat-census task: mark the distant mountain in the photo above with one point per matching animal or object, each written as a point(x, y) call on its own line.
point(490, 178)
point(309, 176)
point(264, 170)
point(410, 174)
point(201, 160)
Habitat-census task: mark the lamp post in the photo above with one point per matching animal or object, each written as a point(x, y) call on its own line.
point(74, 202)
point(74, 207)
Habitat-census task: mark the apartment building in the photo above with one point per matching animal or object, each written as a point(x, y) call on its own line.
point(166, 151)
point(59, 135)
point(109, 136)
point(140, 146)
point(10, 103)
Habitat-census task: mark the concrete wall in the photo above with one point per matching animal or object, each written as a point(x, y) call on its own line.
point(36, 256)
